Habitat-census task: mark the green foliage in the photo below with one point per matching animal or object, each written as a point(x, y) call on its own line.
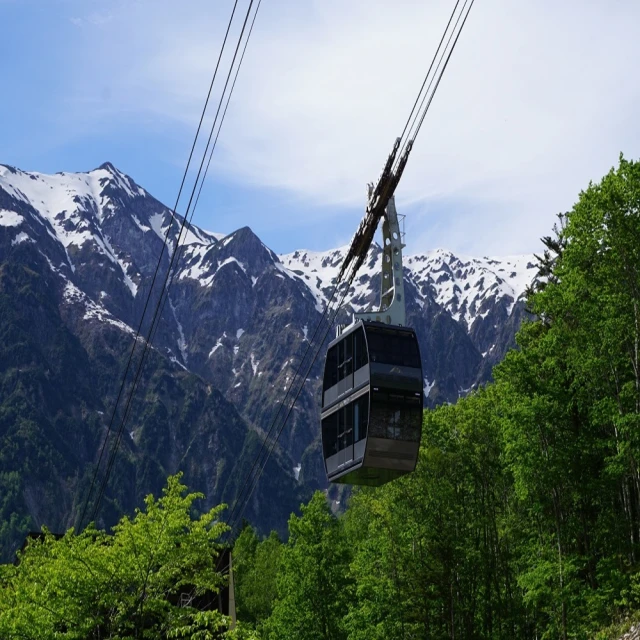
point(431, 558)
point(313, 585)
point(255, 566)
point(129, 584)
point(522, 518)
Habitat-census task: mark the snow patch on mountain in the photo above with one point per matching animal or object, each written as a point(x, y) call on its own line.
point(254, 363)
point(187, 233)
point(104, 213)
point(199, 266)
point(73, 206)
point(60, 197)
point(182, 343)
point(466, 287)
point(231, 261)
point(92, 310)
point(139, 224)
point(21, 237)
point(463, 284)
point(10, 218)
point(317, 269)
point(156, 221)
point(428, 386)
point(218, 344)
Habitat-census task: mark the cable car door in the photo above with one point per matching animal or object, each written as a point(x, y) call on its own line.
point(345, 435)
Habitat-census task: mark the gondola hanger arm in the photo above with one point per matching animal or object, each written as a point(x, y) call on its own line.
point(378, 199)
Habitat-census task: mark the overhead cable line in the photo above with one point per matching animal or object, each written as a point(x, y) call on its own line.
point(383, 190)
point(429, 94)
point(147, 343)
point(213, 147)
point(429, 70)
point(155, 275)
point(424, 113)
point(156, 315)
point(171, 273)
point(268, 435)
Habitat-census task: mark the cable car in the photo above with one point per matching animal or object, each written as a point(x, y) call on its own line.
point(372, 394)
point(372, 404)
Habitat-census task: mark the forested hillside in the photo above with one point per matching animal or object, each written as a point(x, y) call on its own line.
point(522, 519)
point(78, 258)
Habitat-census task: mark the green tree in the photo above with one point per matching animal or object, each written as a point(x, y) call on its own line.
point(255, 564)
point(433, 556)
point(131, 584)
point(571, 423)
point(313, 585)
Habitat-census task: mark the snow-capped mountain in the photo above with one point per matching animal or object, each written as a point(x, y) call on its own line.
point(238, 317)
point(467, 288)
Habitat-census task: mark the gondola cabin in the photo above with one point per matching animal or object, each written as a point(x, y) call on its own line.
point(372, 404)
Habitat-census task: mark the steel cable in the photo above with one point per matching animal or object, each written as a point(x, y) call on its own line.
point(155, 317)
point(164, 244)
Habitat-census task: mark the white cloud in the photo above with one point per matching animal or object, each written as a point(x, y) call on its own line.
point(93, 19)
point(539, 98)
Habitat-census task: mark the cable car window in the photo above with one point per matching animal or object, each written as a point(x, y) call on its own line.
point(348, 355)
point(399, 349)
point(408, 347)
point(340, 346)
point(330, 434)
point(376, 346)
point(356, 420)
point(360, 356)
point(360, 417)
point(345, 357)
point(344, 427)
point(331, 368)
point(347, 439)
point(395, 417)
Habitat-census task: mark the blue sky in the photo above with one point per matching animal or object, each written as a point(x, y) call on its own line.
point(540, 97)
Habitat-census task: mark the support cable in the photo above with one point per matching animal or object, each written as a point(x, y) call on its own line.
point(429, 94)
point(424, 113)
point(155, 275)
point(156, 314)
point(213, 147)
point(429, 71)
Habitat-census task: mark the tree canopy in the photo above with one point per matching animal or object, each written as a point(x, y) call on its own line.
point(143, 581)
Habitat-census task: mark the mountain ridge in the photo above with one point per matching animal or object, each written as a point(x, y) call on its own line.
point(238, 316)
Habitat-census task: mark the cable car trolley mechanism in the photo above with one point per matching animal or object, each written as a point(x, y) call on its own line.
point(372, 396)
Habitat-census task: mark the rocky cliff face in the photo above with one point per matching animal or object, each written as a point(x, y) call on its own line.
point(78, 255)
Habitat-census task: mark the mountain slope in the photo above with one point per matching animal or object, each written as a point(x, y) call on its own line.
point(236, 325)
point(62, 353)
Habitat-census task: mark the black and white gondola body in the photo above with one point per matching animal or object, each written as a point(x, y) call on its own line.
point(372, 401)
point(372, 393)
